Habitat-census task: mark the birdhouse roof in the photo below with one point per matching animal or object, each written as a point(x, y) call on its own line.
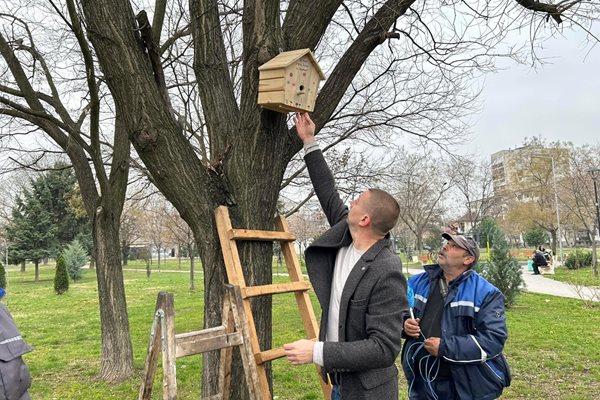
point(287, 58)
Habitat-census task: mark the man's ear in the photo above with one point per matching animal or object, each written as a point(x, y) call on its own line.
point(472, 260)
point(365, 220)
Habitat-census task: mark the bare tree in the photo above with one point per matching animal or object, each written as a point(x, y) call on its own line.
point(183, 236)
point(578, 194)
point(31, 100)
point(472, 181)
point(420, 184)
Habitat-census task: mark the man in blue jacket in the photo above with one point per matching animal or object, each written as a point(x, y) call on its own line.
point(457, 331)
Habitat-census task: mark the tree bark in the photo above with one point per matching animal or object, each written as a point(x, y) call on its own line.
point(117, 352)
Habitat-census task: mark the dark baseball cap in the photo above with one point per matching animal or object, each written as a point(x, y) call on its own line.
point(467, 243)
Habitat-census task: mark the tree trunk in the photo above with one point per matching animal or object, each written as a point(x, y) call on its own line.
point(192, 261)
point(594, 255)
point(158, 258)
point(553, 234)
point(125, 248)
point(23, 264)
point(37, 271)
point(117, 353)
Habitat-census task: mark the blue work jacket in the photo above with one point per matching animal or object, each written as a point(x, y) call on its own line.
point(473, 333)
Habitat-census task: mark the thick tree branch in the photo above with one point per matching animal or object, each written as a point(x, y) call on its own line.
point(151, 44)
point(160, 7)
point(214, 82)
point(354, 58)
point(94, 105)
point(552, 10)
point(303, 27)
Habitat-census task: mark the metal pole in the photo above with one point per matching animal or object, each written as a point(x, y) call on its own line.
point(557, 213)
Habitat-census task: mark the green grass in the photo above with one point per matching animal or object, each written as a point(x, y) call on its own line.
point(552, 348)
point(582, 276)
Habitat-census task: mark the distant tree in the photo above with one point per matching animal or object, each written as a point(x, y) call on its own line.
point(535, 236)
point(2, 276)
point(503, 271)
point(419, 184)
point(31, 230)
point(487, 230)
point(61, 278)
point(63, 202)
point(75, 258)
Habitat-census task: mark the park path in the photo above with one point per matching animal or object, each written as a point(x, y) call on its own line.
point(541, 284)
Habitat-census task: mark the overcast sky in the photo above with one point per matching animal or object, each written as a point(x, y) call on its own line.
point(559, 100)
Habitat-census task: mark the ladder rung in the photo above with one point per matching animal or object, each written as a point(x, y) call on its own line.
point(187, 344)
point(269, 355)
point(253, 291)
point(267, 236)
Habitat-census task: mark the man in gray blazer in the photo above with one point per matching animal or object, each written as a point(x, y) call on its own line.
point(360, 286)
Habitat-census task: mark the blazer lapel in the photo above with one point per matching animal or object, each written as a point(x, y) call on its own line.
point(359, 270)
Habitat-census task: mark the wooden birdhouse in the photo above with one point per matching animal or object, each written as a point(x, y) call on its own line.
point(289, 82)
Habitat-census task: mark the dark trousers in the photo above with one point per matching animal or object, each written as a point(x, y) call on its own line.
point(536, 268)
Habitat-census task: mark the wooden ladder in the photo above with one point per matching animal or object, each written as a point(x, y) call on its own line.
point(232, 332)
point(228, 237)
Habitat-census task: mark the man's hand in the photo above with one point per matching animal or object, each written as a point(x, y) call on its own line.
point(300, 352)
point(432, 345)
point(305, 127)
point(412, 328)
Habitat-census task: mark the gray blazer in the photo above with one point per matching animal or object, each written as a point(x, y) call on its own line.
point(373, 300)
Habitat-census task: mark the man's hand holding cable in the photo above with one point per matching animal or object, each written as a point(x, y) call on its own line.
point(432, 345)
point(412, 328)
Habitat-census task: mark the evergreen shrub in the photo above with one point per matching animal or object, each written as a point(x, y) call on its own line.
point(75, 258)
point(61, 278)
point(503, 270)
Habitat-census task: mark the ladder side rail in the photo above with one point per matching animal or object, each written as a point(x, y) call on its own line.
point(154, 348)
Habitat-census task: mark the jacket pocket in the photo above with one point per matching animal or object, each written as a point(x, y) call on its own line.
point(499, 367)
point(360, 303)
point(376, 377)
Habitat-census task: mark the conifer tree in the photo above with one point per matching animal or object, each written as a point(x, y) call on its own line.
point(61, 279)
point(75, 258)
point(503, 270)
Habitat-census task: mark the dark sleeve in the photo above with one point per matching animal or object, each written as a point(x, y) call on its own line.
point(324, 185)
point(383, 320)
point(488, 339)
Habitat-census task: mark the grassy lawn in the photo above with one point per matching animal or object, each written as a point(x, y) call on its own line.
point(582, 276)
point(553, 347)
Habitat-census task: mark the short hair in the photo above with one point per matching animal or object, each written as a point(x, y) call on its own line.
point(383, 211)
